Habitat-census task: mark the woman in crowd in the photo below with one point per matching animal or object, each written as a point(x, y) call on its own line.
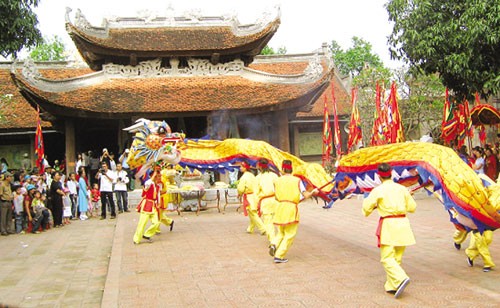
point(56, 194)
point(83, 194)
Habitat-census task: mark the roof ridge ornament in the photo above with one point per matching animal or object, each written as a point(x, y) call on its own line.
point(30, 71)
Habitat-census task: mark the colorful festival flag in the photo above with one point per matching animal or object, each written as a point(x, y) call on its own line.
point(355, 133)
point(449, 122)
point(327, 135)
point(336, 129)
point(394, 124)
point(379, 125)
point(39, 147)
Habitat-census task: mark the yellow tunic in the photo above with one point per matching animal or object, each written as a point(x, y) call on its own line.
point(246, 186)
point(288, 194)
point(265, 192)
point(392, 199)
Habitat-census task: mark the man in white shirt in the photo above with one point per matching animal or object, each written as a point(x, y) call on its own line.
point(71, 184)
point(121, 188)
point(106, 179)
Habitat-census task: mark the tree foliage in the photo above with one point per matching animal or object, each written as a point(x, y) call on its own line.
point(270, 51)
point(352, 61)
point(420, 97)
point(51, 49)
point(459, 40)
point(18, 24)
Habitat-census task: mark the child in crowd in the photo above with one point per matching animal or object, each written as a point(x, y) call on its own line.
point(67, 207)
point(72, 184)
point(18, 201)
point(95, 197)
point(41, 215)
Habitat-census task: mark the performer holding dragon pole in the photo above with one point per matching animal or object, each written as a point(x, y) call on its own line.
point(394, 233)
point(265, 195)
point(246, 188)
point(167, 179)
point(289, 191)
point(148, 208)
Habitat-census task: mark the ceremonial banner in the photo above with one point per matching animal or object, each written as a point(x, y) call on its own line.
point(379, 125)
point(39, 147)
point(355, 133)
point(336, 129)
point(327, 134)
point(395, 127)
point(449, 123)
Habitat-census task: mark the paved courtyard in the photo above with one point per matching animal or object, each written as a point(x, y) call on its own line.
point(209, 261)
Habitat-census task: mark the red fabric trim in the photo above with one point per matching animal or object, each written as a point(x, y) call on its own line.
point(379, 227)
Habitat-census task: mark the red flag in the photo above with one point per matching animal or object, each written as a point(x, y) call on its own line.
point(450, 122)
point(39, 148)
point(327, 135)
point(394, 125)
point(482, 135)
point(355, 133)
point(336, 129)
point(379, 125)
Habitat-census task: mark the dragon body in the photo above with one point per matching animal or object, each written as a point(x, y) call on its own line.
point(471, 201)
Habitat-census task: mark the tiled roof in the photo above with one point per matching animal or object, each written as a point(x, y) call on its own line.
point(172, 38)
point(18, 114)
point(280, 68)
point(174, 95)
point(126, 96)
point(341, 95)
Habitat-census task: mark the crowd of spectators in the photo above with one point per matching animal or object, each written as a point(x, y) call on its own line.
point(36, 201)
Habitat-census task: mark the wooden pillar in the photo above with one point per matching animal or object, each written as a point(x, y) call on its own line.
point(283, 133)
point(31, 152)
point(69, 134)
point(296, 140)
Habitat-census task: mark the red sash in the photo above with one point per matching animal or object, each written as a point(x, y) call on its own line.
point(245, 203)
point(380, 222)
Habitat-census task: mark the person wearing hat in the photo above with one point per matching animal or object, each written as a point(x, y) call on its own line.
point(266, 203)
point(394, 233)
point(246, 188)
point(148, 208)
point(289, 190)
point(6, 197)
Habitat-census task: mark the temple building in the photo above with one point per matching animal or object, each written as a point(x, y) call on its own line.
point(201, 74)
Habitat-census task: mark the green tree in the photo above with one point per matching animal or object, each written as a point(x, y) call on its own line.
point(270, 51)
point(352, 61)
point(51, 49)
point(459, 40)
point(18, 24)
point(421, 102)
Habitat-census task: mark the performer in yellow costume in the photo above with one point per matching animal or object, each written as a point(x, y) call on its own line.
point(148, 208)
point(459, 236)
point(394, 233)
point(265, 194)
point(167, 179)
point(479, 246)
point(246, 188)
point(289, 191)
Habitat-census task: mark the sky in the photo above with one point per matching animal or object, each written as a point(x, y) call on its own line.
point(305, 25)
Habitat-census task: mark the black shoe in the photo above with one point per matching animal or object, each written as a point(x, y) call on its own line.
point(470, 262)
point(278, 260)
point(112, 217)
point(272, 250)
point(457, 246)
point(172, 226)
point(102, 218)
point(148, 239)
point(391, 292)
point(486, 269)
point(127, 211)
point(401, 288)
